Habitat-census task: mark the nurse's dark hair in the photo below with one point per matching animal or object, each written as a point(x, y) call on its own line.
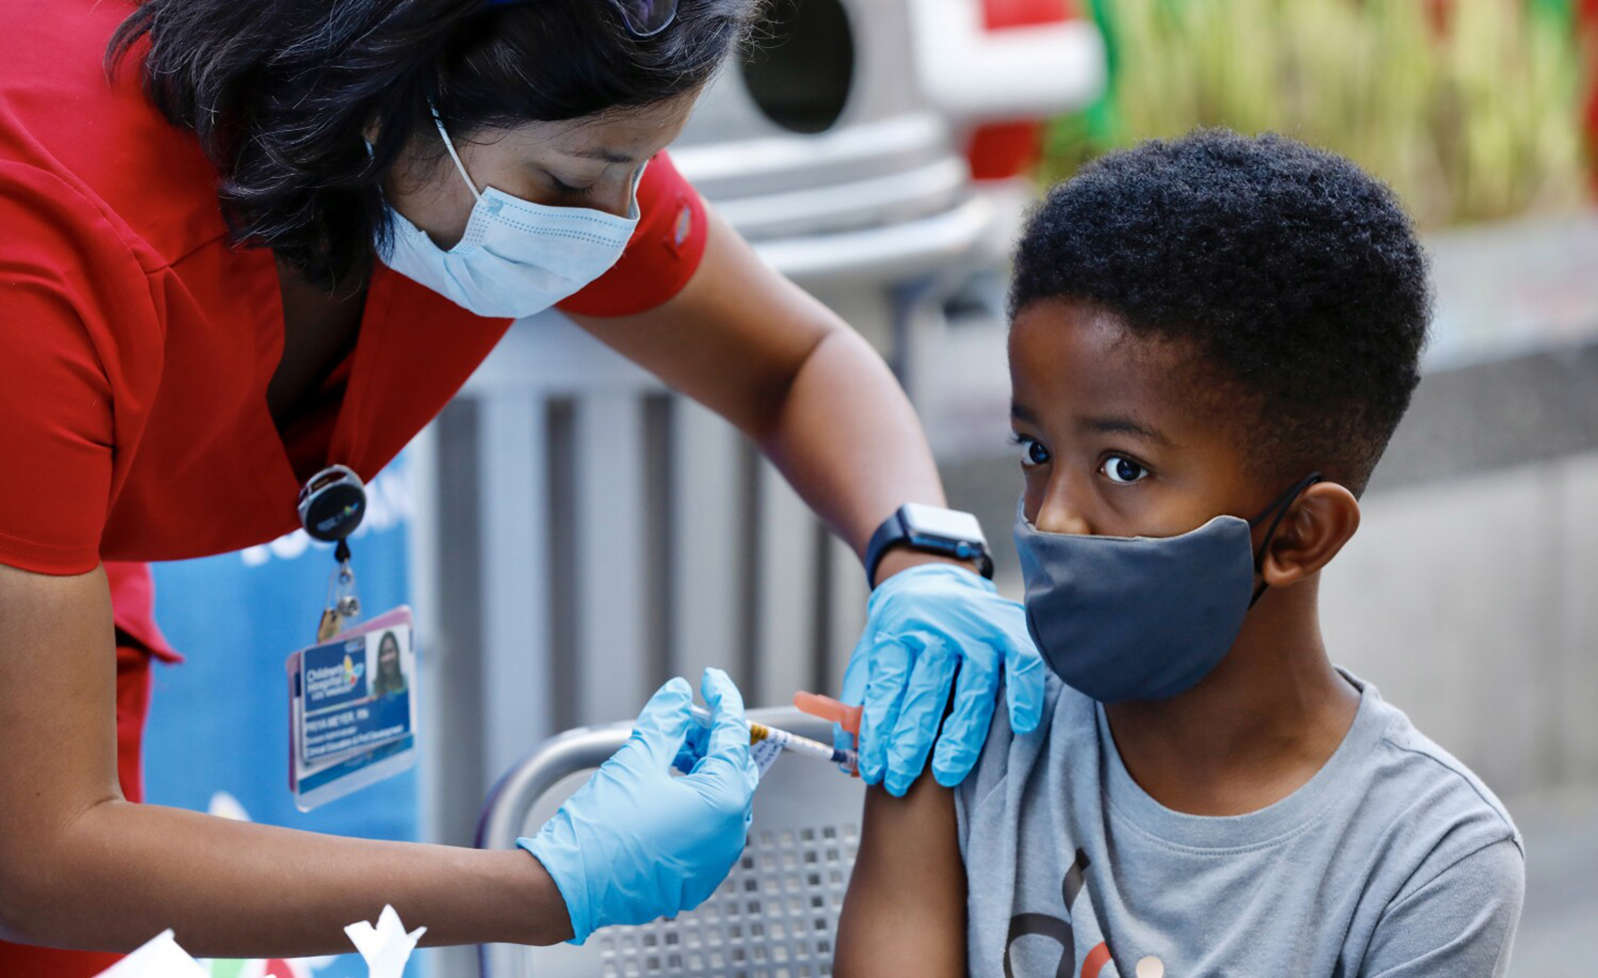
point(281, 92)
point(1293, 279)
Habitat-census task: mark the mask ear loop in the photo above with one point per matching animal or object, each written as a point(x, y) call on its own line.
point(1280, 508)
point(449, 144)
point(632, 202)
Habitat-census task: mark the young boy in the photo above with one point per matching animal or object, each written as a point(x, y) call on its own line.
point(1211, 342)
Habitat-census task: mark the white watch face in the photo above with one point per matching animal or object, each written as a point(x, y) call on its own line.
point(935, 521)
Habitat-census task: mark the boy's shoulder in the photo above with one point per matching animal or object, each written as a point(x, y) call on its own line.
point(1434, 762)
point(1390, 783)
point(1066, 715)
point(1448, 864)
point(1427, 796)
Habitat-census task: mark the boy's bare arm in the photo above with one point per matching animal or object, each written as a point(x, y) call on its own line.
point(905, 910)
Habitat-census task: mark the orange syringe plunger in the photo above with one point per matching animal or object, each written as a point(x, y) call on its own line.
point(827, 708)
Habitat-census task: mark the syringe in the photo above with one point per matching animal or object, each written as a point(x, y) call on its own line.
point(790, 741)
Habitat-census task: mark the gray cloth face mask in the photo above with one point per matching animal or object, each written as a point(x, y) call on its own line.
point(1141, 618)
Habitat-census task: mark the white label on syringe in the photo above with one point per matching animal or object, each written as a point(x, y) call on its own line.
point(765, 753)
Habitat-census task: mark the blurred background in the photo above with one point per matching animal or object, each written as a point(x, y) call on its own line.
point(570, 533)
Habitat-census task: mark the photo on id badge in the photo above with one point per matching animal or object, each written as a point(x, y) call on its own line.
point(352, 712)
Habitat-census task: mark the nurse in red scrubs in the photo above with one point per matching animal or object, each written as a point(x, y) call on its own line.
point(242, 240)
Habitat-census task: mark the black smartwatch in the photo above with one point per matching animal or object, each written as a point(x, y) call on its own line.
point(933, 530)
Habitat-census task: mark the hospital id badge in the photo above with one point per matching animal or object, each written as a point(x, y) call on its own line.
point(352, 710)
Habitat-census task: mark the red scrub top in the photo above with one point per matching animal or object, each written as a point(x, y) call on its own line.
point(136, 344)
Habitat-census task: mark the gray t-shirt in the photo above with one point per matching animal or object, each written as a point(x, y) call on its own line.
point(1392, 860)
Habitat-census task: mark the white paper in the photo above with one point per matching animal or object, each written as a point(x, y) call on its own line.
point(159, 958)
point(386, 947)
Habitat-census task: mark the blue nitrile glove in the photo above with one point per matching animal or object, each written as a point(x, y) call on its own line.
point(637, 842)
point(924, 625)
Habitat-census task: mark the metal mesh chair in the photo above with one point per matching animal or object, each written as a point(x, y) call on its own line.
point(774, 916)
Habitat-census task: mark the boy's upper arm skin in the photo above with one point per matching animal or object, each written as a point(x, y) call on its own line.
point(905, 910)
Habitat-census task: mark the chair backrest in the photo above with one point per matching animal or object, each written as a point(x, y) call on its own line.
point(774, 916)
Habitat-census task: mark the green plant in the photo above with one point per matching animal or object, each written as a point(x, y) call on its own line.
point(1468, 109)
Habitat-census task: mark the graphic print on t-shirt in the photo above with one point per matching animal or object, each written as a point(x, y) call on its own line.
point(1060, 931)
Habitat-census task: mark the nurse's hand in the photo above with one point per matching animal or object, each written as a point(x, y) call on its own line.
point(928, 627)
point(637, 842)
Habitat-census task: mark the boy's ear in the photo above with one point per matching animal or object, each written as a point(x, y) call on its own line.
point(1316, 526)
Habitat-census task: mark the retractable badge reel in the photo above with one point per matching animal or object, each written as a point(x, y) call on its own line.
point(331, 506)
point(352, 708)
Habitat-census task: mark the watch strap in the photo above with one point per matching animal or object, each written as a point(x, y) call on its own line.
point(894, 532)
point(887, 535)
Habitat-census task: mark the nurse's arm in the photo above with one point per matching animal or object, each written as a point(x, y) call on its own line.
point(82, 868)
point(752, 346)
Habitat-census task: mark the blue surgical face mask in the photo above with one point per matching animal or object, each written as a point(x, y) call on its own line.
point(1141, 618)
point(516, 258)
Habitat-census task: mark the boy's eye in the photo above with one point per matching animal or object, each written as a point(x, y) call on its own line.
point(1122, 470)
point(1032, 451)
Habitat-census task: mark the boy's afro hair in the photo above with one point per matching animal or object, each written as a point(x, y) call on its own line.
point(1295, 276)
